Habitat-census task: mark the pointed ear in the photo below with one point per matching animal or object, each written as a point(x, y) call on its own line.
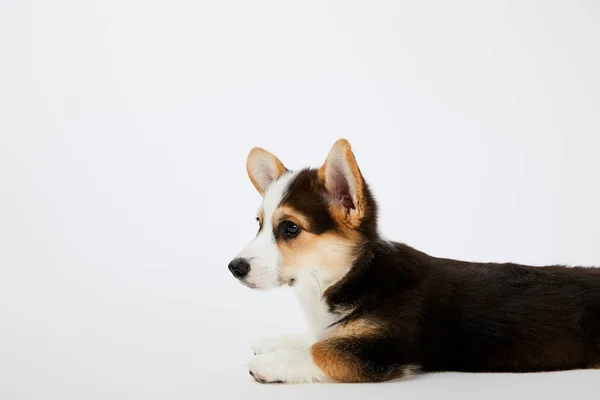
point(263, 168)
point(344, 183)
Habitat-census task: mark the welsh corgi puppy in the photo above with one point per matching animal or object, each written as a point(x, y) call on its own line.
point(380, 310)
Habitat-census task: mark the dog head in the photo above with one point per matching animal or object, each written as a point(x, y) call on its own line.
point(313, 223)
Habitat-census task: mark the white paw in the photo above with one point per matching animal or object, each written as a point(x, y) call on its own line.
point(269, 345)
point(285, 366)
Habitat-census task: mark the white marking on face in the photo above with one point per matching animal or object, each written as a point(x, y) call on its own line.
point(262, 253)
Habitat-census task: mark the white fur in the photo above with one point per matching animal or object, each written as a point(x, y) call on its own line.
point(288, 359)
point(309, 290)
point(289, 366)
point(262, 253)
point(263, 167)
point(288, 342)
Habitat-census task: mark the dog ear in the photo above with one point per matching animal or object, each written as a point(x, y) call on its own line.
point(344, 183)
point(263, 168)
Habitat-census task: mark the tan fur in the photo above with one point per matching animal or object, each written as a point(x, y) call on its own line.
point(357, 328)
point(331, 254)
point(284, 213)
point(256, 157)
point(337, 365)
point(342, 366)
point(352, 218)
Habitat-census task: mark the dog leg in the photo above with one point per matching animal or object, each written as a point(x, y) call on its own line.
point(288, 342)
point(286, 366)
point(360, 360)
point(332, 360)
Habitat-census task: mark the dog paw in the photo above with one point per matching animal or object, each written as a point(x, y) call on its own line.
point(285, 366)
point(269, 345)
point(267, 368)
point(262, 379)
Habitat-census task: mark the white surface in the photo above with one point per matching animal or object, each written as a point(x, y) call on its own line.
point(124, 127)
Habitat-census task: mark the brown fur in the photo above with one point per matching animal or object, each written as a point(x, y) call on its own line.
point(308, 249)
point(339, 366)
point(346, 218)
point(334, 356)
point(284, 213)
point(358, 328)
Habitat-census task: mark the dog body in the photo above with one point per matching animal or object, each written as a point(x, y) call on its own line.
point(379, 310)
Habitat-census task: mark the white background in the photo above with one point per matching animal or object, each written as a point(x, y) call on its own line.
point(124, 127)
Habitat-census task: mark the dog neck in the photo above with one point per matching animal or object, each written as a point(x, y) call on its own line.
point(310, 288)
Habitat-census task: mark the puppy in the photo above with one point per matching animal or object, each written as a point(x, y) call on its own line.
point(380, 310)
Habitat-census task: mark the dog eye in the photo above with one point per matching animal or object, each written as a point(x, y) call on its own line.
point(290, 229)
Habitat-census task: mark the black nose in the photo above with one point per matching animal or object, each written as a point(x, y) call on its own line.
point(239, 267)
